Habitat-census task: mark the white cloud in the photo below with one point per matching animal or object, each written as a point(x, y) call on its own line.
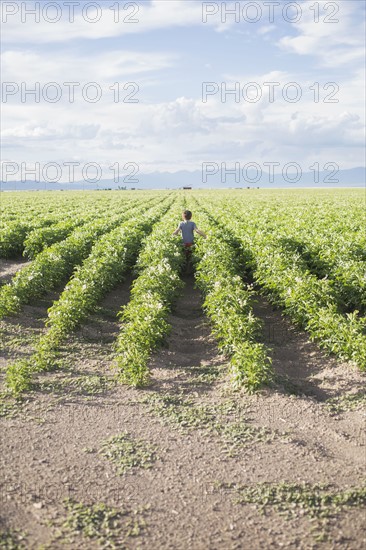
point(29, 66)
point(185, 132)
point(150, 16)
point(336, 39)
point(266, 29)
point(39, 131)
point(180, 132)
point(183, 116)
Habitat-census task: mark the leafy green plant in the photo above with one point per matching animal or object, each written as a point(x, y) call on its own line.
point(43, 237)
point(342, 403)
point(12, 539)
point(56, 263)
point(107, 264)
point(51, 267)
point(225, 420)
point(315, 500)
point(289, 272)
point(229, 308)
point(127, 452)
point(13, 234)
point(144, 319)
point(110, 527)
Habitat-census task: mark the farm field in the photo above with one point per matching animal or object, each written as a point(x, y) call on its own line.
point(147, 403)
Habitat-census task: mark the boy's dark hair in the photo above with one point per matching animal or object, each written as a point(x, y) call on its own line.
point(187, 214)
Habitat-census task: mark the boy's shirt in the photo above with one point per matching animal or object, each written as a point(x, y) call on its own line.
point(187, 228)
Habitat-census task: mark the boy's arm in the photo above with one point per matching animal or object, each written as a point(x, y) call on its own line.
point(200, 232)
point(177, 231)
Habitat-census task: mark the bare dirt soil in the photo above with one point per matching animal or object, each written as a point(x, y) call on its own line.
point(8, 268)
point(189, 447)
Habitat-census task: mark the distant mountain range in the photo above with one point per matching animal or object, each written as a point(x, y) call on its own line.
point(355, 177)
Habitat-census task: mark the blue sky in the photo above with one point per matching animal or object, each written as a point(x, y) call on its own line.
point(168, 54)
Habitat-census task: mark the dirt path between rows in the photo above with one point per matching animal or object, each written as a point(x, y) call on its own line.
point(8, 268)
point(200, 443)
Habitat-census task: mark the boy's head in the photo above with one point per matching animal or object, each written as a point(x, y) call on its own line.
point(186, 215)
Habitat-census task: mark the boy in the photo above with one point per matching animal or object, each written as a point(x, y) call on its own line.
point(187, 227)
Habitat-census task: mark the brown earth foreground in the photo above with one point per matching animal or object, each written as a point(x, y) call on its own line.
point(189, 448)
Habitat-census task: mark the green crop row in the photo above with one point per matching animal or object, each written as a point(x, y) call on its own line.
point(144, 319)
point(14, 233)
point(228, 304)
point(109, 260)
point(30, 229)
point(43, 237)
point(55, 264)
point(311, 302)
point(26, 206)
point(348, 275)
